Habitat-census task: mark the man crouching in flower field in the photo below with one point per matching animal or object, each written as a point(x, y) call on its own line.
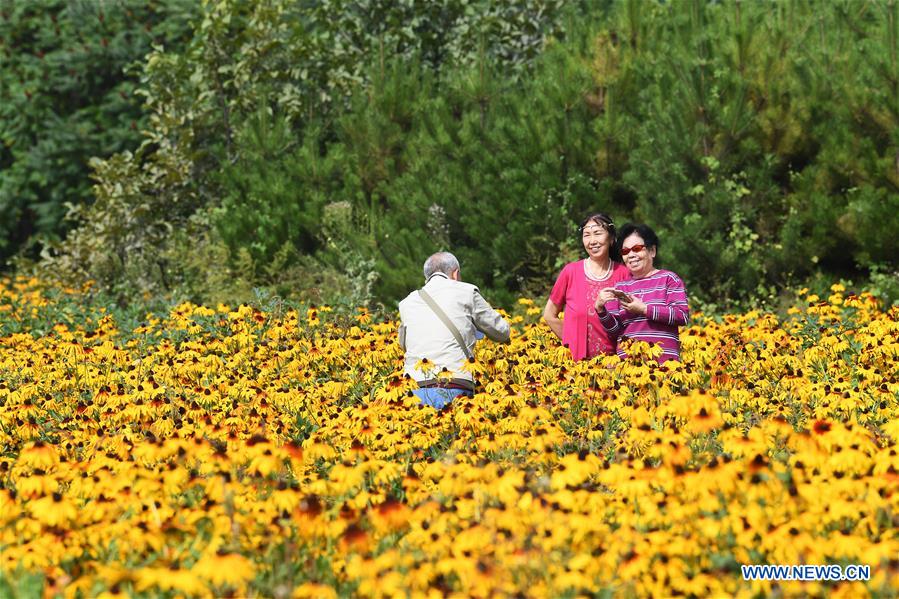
point(440, 325)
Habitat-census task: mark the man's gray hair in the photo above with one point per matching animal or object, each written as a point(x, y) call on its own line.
point(441, 262)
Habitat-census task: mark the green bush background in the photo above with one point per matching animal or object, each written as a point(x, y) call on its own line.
point(321, 150)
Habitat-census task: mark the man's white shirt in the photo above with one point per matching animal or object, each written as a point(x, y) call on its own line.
point(423, 335)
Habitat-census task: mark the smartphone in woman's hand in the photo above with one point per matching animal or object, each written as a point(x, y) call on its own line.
point(622, 296)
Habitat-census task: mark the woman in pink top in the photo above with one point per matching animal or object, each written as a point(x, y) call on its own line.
point(579, 285)
point(650, 306)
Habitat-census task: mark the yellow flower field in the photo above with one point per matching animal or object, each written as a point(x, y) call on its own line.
point(230, 451)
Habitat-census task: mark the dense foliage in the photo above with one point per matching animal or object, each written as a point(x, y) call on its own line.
point(252, 452)
point(323, 152)
point(65, 96)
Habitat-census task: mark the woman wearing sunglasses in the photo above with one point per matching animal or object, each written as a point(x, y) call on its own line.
point(652, 304)
point(579, 285)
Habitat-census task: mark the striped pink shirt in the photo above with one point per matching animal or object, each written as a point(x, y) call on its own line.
point(666, 310)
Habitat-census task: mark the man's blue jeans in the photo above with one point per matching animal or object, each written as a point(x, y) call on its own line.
point(437, 397)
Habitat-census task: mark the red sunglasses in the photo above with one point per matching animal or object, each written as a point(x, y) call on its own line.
point(634, 248)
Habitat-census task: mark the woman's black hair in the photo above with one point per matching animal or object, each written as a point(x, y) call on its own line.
point(600, 218)
point(649, 236)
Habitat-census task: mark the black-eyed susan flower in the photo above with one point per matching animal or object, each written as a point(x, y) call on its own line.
point(224, 569)
point(39, 455)
point(52, 510)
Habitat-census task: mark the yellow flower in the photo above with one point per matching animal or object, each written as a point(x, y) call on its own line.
point(390, 515)
point(425, 366)
point(473, 366)
point(37, 485)
point(171, 579)
point(9, 508)
point(228, 569)
point(53, 510)
point(355, 539)
point(314, 590)
point(39, 455)
point(575, 469)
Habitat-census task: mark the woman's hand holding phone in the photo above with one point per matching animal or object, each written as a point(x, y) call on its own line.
point(634, 305)
point(628, 302)
point(605, 295)
point(622, 296)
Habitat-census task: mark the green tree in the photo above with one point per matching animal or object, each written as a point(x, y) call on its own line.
point(66, 95)
point(310, 62)
point(290, 137)
point(756, 140)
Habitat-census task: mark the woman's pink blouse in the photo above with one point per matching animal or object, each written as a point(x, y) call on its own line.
point(572, 293)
